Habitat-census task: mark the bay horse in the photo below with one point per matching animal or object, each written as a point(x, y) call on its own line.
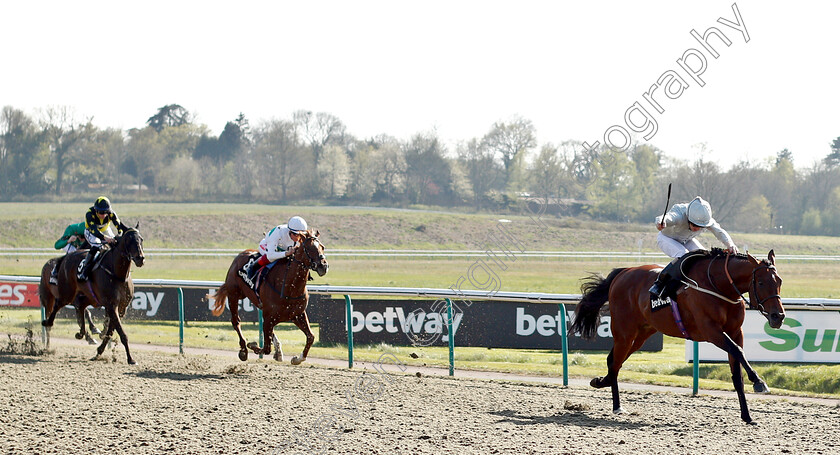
point(48, 292)
point(282, 296)
point(709, 307)
point(109, 285)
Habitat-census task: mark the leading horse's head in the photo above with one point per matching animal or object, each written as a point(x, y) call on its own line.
point(313, 253)
point(130, 245)
point(765, 289)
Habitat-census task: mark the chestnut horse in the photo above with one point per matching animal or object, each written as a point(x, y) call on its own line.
point(108, 285)
point(47, 293)
point(282, 297)
point(709, 302)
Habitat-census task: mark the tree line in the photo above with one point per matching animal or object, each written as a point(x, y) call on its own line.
point(311, 157)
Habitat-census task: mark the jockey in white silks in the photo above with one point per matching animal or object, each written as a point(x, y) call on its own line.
point(280, 242)
point(678, 231)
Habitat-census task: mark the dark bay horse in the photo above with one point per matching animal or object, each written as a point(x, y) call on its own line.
point(709, 302)
point(109, 285)
point(282, 297)
point(48, 292)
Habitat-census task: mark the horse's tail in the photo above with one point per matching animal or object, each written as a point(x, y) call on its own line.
point(596, 290)
point(221, 296)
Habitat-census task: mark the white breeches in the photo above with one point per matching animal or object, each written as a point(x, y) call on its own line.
point(94, 241)
point(675, 248)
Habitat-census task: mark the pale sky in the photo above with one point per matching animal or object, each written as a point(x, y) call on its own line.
point(395, 67)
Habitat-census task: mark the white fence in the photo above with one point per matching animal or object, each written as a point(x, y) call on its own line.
point(428, 254)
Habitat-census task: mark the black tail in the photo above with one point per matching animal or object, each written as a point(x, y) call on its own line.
point(595, 290)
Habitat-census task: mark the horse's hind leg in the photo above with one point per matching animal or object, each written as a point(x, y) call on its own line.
point(278, 348)
point(302, 322)
point(233, 306)
point(89, 317)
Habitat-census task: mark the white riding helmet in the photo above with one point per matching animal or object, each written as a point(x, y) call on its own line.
point(297, 225)
point(700, 212)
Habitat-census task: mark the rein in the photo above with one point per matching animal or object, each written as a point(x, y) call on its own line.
point(752, 286)
point(292, 259)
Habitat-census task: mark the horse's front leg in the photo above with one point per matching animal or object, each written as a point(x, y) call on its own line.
point(736, 345)
point(121, 332)
point(736, 359)
point(302, 322)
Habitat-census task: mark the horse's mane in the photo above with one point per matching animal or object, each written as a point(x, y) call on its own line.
point(716, 252)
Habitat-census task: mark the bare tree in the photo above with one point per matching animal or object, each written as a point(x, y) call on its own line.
point(64, 133)
point(510, 141)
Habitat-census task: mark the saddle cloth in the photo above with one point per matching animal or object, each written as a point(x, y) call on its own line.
point(260, 276)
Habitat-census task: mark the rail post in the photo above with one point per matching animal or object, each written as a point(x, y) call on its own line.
point(451, 336)
point(181, 320)
point(260, 335)
point(349, 303)
point(564, 343)
point(696, 368)
point(43, 327)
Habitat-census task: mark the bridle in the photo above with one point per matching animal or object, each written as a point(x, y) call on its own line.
point(126, 253)
point(753, 287)
point(313, 263)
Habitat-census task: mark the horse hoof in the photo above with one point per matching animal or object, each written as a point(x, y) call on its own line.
point(96, 331)
point(297, 360)
point(132, 362)
point(618, 411)
point(253, 347)
point(278, 356)
point(243, 355)
point(598, 383)
point(79, 336)
point(760, 387)
point(91, 341)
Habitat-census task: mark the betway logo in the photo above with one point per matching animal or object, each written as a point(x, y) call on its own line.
point(551, 325)
point(394, 319)
point(147, 301)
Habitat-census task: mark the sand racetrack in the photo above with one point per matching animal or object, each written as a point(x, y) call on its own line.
point(63, 403)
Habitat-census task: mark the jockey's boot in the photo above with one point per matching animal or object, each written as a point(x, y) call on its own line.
point(670, 272)
point(83, 272)
point(255, 267)
point(54, 274)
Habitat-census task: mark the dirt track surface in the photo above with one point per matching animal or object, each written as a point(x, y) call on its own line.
point(64, 403)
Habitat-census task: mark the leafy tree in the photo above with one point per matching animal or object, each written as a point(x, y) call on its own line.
point(24, 157)
point(169, 115)
point(427, 172)
point(613, 189)
point(334, 171)
point(480, 168)
point(833, 158)
point(546, 172)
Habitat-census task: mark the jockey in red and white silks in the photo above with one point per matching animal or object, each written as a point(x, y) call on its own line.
point(280, 242)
